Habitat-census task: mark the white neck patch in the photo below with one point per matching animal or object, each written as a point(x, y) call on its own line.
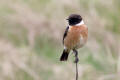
point(81, 23)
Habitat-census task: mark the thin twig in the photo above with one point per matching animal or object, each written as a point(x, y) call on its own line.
point(76, 61)
point(76, 71)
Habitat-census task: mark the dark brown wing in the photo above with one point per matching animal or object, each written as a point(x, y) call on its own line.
point(65, 33)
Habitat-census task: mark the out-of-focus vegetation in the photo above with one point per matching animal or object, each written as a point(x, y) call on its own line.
point(31, 40)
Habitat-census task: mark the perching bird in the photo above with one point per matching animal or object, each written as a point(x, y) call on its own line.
point(75, 36)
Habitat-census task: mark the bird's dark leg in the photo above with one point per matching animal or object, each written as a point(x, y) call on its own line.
point(76, 55)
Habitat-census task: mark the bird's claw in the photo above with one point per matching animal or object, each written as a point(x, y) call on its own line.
point(76, 60)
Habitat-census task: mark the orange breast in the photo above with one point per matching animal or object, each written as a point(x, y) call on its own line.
point(76, 36)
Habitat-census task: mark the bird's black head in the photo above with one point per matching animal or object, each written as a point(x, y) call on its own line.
point(74, 19)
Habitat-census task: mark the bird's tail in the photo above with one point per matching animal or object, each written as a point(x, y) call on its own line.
point(64, 55)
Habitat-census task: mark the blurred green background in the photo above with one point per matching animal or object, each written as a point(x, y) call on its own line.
point(31, 34)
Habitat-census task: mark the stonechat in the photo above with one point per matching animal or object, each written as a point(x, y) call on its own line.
point(75, 36)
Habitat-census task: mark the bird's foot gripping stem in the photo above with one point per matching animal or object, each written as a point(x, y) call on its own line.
point(76, 56)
